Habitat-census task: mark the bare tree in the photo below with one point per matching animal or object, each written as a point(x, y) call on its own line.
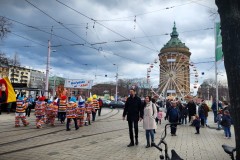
point(5, 25)
point(229, 11)
point(3, 59)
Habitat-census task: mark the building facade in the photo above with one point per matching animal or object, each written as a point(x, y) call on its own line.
point(174, 67)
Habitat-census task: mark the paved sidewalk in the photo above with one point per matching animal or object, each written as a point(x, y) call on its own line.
point(105, 139)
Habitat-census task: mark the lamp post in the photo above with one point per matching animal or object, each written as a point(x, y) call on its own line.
point(116, 96)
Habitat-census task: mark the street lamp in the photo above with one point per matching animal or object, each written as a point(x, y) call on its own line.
point(116, 82)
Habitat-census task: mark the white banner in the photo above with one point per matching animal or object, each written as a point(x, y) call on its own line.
point(78, 83)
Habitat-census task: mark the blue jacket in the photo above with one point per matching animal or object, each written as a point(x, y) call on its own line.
point(173, 115)
point(226, 121)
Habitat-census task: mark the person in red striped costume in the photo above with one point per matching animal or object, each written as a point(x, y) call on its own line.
point(21, 111)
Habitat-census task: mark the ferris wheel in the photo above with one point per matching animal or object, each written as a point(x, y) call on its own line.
point(178, 75)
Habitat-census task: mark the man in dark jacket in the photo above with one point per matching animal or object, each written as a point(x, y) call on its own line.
point(173, 115)
point(192, 109)
point(134, 111)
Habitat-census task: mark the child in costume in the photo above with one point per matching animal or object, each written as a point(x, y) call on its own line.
point(62, 108)
point(51, 112)
point(80, 111)
point(21, 112)
point(71, 113)
point(95, 104)
point(40, 111)
point(89, 109)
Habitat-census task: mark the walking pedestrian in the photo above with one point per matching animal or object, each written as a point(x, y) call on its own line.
point(3, 95)
point(149, 124)
point(226, 123)
point(215, 109)
point(173, 115)
point(71, 113)
point(134, 111)
point(196, 123)
point(40, 111)
point(62, 108)
point(30, 105)
point(100, 106)
point(159, 116)
point(219, 119)
point(192, 109)
point(96, 107)
point(20, 111)
point(184, 114)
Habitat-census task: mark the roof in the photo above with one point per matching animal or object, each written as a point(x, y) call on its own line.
point(174, 42)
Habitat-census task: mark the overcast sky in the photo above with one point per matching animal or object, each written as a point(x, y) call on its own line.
point(75, 35)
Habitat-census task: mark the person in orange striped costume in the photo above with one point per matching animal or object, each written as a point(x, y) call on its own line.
point(89, 109)
point(21, 111)
point(95, 106)
point(51, 112)
point(62, 108)
point(40, 111)
point(71, 113)
point(80, 111)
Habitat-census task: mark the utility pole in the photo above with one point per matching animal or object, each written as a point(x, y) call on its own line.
point(116, 98)
point(48, 65)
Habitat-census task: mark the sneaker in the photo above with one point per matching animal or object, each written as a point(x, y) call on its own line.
point(77, 128)
point(196, 133)
point(68, 129)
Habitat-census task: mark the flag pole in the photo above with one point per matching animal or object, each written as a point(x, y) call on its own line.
point(216, 67)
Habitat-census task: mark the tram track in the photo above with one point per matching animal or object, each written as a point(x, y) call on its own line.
point(53, 132)
point(32, 122)
point(60, 141)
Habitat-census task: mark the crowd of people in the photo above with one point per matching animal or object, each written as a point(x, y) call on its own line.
point(81, 112)
point(176, 113)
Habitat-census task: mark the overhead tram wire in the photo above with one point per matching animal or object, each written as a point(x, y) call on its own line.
point(139, 14)
point(41, 30)
point(28, 39)
point(75, 33)
point(57, 21)
point(105, 26)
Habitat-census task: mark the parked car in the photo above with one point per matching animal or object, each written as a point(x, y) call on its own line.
point(116, 104)
point(106, 103)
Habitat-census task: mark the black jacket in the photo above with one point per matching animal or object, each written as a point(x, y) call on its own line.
point(192, 109)
point(3, 98)
point(133, 108)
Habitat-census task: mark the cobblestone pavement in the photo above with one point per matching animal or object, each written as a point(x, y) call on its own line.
point(105, 139)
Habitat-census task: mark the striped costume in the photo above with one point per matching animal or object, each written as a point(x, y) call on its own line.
point(40, 112)
point(80, 111)
point(62, 108)
point(89, 109)
point(95, 105)
point(51, 113)
point(20, 113)
point(71, 114)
